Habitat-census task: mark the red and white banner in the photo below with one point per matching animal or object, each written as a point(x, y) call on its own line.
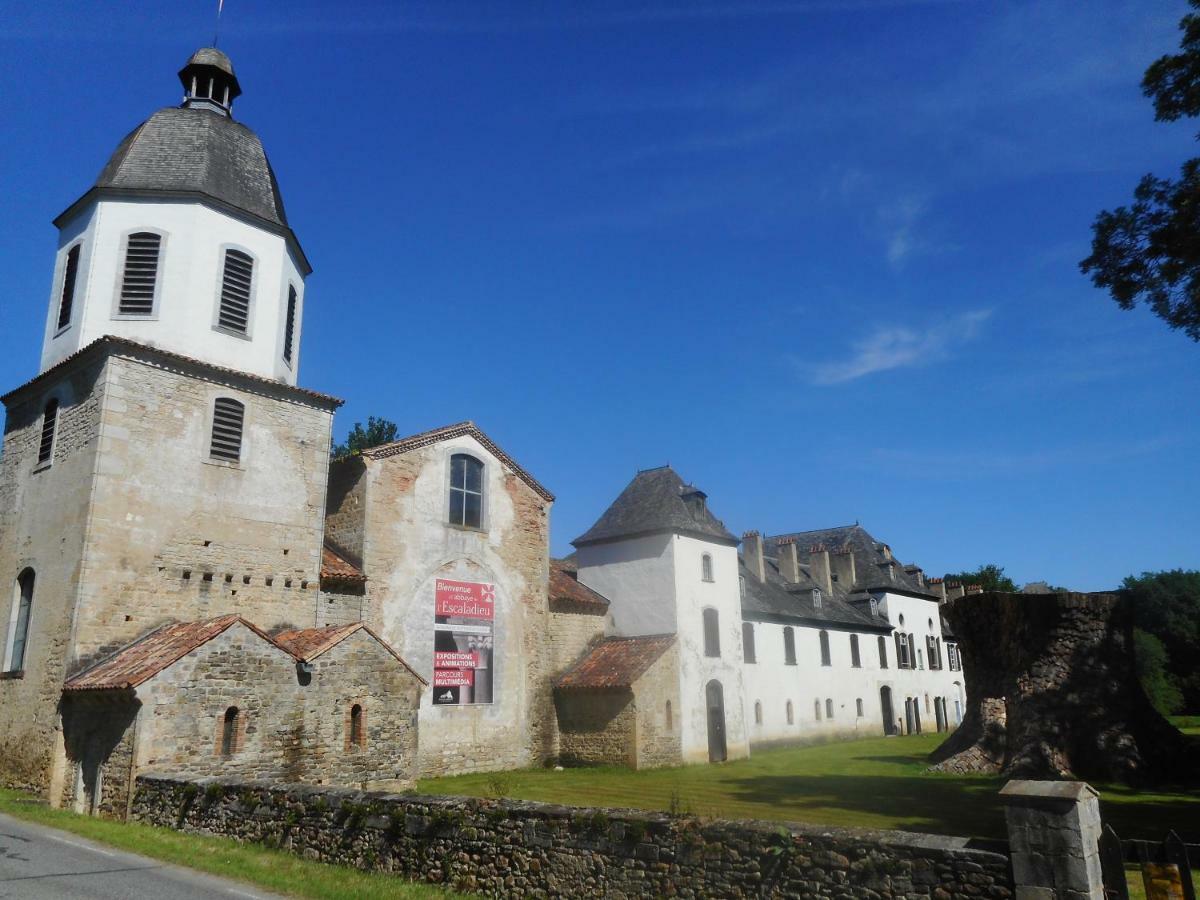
point(453, 678)
point(446, 660)
point(465, 599)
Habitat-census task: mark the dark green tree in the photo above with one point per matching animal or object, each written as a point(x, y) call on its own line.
point(377, 432)
point(1167, 606)
point(1149, 252)
point(990, 577)
point(1151, 663)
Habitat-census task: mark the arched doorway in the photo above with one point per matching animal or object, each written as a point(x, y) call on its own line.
point(889, 714)
point(715, 702)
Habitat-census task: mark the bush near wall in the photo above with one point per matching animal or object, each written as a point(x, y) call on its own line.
point(518, 848)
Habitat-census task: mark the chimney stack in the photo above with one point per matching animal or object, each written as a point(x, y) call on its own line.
point(939, 588)
point(789, 560)
point(974, 589)
point(752, 554)
point(842, 561)
point(818, 566)
point(954, 590)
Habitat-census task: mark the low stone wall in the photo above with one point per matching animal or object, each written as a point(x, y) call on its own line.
point(512, 848)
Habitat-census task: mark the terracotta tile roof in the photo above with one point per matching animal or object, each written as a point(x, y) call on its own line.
point(149, 655)
point(335, 567)
point(565, 585)
point(166, 356)
point(425, 438)
point(306, 644)
point(617, 662)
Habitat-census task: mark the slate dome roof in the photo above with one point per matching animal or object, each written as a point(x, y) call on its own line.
point(197, 151)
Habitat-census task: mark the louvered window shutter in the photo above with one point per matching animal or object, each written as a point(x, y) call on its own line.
point(235, 291)
point(228, 419)
point(49, 423)
point(289, 329)
point(68, 288)
point(140, 275)
point(899, 653)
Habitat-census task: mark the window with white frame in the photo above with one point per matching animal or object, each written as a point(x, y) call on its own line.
point(706, 568)
point(22, 607)
point(466, 491)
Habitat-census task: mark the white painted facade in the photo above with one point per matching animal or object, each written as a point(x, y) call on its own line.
point(194, 238)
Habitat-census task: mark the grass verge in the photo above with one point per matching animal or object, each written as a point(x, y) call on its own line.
point(874, 783)
point(271, 870)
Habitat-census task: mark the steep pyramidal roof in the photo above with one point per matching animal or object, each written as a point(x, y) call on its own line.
point(657, 500)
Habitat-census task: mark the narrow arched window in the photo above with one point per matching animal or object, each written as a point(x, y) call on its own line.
point(22, 606)
point(67, 300)
point(712, 633)
point(855, 660)
point(669, 717)
point(791, 716)
point(289, 325)
point(920, 659)
point(858, 707)
point(817, 709)
point(229, 731)
point(357, 738)
point(706, 569)
point(826, 659)
point(789, 646)
point(748, 651)
point(139, 278)
point(229, 419)
point(49, 428)
point(466, 491)
point(828, 708)
point(758, 711)
point(882, 653)
point(237, 282)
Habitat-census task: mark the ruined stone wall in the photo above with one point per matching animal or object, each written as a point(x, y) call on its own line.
point(516, 849)
point(43, 522)
point(345, 509)
point(597, 727)
point(658, 733)
point(175, 535)
point(408, 544)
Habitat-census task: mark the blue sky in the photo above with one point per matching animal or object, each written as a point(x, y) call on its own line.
point(819, 256)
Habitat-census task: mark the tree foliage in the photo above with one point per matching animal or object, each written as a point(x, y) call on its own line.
point(1151, 662)
point(990, 577)
point(378, 431)
point(1167, 608)
point(1149, 251)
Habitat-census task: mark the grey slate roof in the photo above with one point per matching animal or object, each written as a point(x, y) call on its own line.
point(653, 503)
point(211, 56)
point(776, 598)
point(870, 560)
point(197, 151)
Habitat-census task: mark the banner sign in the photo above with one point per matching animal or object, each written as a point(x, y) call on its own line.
point(463, 638)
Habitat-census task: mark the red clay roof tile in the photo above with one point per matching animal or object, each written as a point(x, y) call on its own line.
point(617, 662)
point(335, 567)
point(565, 585)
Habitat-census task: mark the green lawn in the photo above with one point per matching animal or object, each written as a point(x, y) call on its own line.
point(878, 783)
point(272, 870)
point(1186, 724)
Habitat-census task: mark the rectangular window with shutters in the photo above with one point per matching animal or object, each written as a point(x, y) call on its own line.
point(138, 290)
point(229, 417)
point(289, 325)
point(67, 300)
point(237, 292)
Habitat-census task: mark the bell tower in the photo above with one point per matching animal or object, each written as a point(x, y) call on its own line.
point(182, 243)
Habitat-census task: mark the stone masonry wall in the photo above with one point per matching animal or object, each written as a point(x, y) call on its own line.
point(597, 727)
point(517, 849)
point(659, 741)
point(43, 520)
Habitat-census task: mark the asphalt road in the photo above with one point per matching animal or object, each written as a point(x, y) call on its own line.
point(47, 864)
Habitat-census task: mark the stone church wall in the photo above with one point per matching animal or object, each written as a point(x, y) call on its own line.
point(597, 727)
point(43, 519)
point(176, 536)
point(659, 740)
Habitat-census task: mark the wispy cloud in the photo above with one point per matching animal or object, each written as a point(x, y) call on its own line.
point(897, 347)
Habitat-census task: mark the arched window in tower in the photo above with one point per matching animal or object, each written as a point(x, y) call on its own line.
point(749, 654)
point(855, 660)
point(712, 633)
point(49, 431)
point(67, 300)
point(791, 715)
point(758, 711)
point(356, 735)
point(828, 708)
point(229, 731)
point(882, 653)
point(237, 285)
point(789, 646)
point(466, 491)
point(826, 658)
point(289, 326)
point(229, 418)
point(19, 628)
point(139, 278)
point(706, 569)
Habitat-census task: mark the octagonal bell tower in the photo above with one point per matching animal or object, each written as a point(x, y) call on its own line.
point(182, 243)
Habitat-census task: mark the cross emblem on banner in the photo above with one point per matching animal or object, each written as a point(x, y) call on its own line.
point(488, 592)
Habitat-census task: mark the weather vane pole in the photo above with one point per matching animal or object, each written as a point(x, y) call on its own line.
point(217, 31)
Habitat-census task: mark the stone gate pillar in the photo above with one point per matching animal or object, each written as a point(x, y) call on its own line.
point(1054, 839)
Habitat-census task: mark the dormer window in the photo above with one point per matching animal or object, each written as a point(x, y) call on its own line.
point(466, 491)
point(139, 278)
point(816, 598)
